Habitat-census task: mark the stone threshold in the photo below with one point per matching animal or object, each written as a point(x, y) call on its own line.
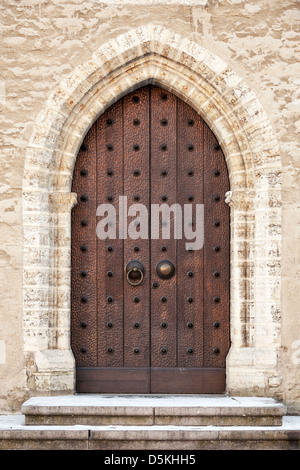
point(152, 410)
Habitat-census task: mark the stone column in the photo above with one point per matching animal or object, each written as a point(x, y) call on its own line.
point(50, 362)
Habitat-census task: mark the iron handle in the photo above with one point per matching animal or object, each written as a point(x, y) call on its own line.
point(135, 272)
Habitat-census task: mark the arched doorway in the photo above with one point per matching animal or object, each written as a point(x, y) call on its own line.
point(161, 323)
point(154, 55)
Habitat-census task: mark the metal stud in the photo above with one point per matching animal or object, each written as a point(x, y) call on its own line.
point(136, 147)
point(164, 173)
point(164, 248)
point(164, 198)
point(216, 198)
point(136, 350)
point(83, 147)
point(110, 350)
point(136, 172)
point(164, 96)
point(84, 223)
point(136, 122)
point(164, 122)
point(190, 273)
point(136, 299)
point(109, 299)
point(216, 350)
point(190, 198)
point(164, 324)
point(83, 172)
point(216, 324)
point(217, 248)
point(164, 350)
point(110, 172)
point(136, 248)
point(217, 172)
point(83, 273)
point(83, 350)
point(109, 273)
point(190, 299)
point(83, 324)
point(135, 99)
point(190, 324)
point(109, 122)
point(83, 198)
point(190, 173)
point(109, 248)
point(217, 146)
point(191, 122)
point(216, 299)
point(83, 248)
point(216, 274)
point(155, 285)
point(163, 147)
point(136, 325)
point(84, 299)
point(109, 324)
point(136, 197)
point(164, 299)
point(190, 350)
point(190, 147)
point(110, 147)
point(217, 223)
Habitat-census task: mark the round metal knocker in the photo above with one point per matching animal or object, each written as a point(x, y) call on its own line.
point(165, 269)
point(135, 272)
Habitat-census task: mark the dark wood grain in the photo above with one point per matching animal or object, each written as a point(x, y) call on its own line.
point(136, 340)
point(215, 261)
point(109, 187)
point(187, 380)
point(84, 317)
point(163, 158)
point(112, 380)
point(190, 263)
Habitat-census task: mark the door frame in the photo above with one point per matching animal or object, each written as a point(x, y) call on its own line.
point(152, 54)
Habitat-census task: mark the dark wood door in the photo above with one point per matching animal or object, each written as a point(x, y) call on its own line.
point(164, 335)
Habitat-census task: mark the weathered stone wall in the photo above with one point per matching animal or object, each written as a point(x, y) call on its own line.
point(41, 44)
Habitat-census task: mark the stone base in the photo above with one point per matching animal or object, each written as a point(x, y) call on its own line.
point(55, 372)
point(14, 434)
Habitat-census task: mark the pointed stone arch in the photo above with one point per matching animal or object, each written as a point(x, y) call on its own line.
point(152, 54)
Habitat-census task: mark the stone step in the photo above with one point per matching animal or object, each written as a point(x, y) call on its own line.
point(14, 434)
point(149, 410)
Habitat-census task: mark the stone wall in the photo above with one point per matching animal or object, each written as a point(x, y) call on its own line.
point(43, 43)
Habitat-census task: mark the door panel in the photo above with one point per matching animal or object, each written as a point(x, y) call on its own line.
point(136, 188)
point(190, 263)
point(166, 335)
point(84, 246)
point(109, 309)
point(163, 191)
point(216, 273)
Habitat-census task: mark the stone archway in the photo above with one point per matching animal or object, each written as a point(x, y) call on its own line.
point(152, 54)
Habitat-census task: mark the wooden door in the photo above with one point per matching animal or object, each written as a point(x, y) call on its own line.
point(163, 331)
